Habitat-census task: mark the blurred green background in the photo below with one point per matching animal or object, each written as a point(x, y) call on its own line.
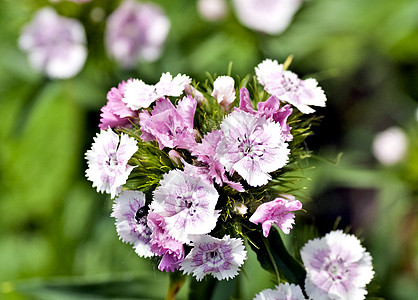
point(57, 240)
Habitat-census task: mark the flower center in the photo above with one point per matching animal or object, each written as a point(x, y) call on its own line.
point(141, 216)
point(289, 84)
point(248, 147)
point(112, 160)
point(336, 269)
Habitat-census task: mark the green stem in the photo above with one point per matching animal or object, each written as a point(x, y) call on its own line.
point(176, 282)
point(273, 262)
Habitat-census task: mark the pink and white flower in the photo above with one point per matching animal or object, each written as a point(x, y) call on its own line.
point(277, 212)
point(131, 221)
point(287, 86)
point(212, 10)
point(187, 205)
point(337, 267)
point(163, 244)
point(115, 113)
point(170, 126)
point(136, 31)
point(267, 16)
point(107, 161)
point(55, 45)
point(251, 146)
point(220, 258)
point(224, 91)
point(285, 291)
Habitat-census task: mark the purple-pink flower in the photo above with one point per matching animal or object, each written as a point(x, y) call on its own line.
point(136, 31)
point(220, 258)
point(55, 44)
point(270, 109)
point(276, 212)
point(170, 126)
point(131, 221)
point(337, 267)
point(252, 146)
point(163, 244)
point(107, 161)
point(187, 205)
point(287, 86)
point(115, 113)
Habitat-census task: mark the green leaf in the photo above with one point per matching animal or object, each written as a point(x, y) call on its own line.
point(274, 257)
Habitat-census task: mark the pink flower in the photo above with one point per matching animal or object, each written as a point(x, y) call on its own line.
point(251, 146)
point(276, 212)
point(269, 108)
point(55, 44)
point(287, 86)
point(224, 91)
point(115, 113)
point(268, 16)
point(170, 126)
point(163, 244)
point(136, 31)
point(337, 267)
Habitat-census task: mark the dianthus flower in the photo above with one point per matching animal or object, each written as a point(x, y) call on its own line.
point(107, 161)
point(220, 258)
point(131, 221)
point(287, 86)
point(285, 291)
point(187, 205)
point(251, 146)
point(115, 113)
point(163, 244)
point(139, 95)
point(276, 212)
point(170, 126)
point(270, 109)
point(136, 31)
point(224, 91)
point(337, 267)
point(268, 16)
point(55, 44)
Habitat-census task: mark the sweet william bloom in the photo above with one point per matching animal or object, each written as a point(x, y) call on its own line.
point(55, 44)
point(212, 10)
point(337, 267)
point(115, 113)
point(220, 258)
point(270, 109)
point(131, 221)
point(287, 86)
point(390, 146)
point(170, 126)
point(187, 205)
point(107, 161)
point(276, 212)
point(139, 95)
point(136, 31)
point(285, 291)
point(224, 91)
point(251, 146)
point(267, 16)
point(163, 244)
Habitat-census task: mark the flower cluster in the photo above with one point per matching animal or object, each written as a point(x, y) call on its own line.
point(194, 170)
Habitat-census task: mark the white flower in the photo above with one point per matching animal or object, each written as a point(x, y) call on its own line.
point(285, 291)
point(220, 258)
point(55, 44)
point(224, 91)
point(131, 221)
point(212, 10)
point(252, 146)
point(139, 95)
point(268, 16)
point(337, 267)
point(187, 205)
point(390, 146)
point(107, 161)
point(286, 86)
